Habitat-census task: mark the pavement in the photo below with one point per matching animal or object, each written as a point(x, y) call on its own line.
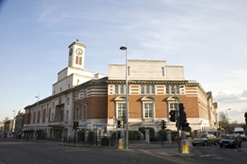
point(170, 149)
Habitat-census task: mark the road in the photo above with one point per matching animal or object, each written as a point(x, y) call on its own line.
point(14, 151)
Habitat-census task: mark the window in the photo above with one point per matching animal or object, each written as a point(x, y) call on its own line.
point(152, 89)
point(84, 93)
point(120, 110)
point(148, 107)
point(116, 88)
point(77, 113)
point(173, 106)
point(177, 89)
point(167, 89)
point(67, 115)
point(119, 89)
point(172, 89)
point(67, 100)
point(163, 71)
point(84, 112)
point(142, 89)
point(148, 110)
point(78, 60)
point(147, 89)
point(78, 95)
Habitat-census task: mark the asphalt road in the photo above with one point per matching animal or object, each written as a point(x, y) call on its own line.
point(15, 151)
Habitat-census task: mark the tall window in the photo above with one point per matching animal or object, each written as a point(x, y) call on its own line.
point(78, 95)
point(77, 113)
point(120, 110)
point(148, 110)
point(147, 89)
point(67, 100)
point(84, 112)
point(121, 89)
point(142, 89)
point(67, 115)
point(84, 93)
point(116, 88)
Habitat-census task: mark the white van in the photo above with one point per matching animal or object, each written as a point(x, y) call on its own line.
point(240, 131)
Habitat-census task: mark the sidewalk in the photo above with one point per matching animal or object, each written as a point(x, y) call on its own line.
point(169, 149)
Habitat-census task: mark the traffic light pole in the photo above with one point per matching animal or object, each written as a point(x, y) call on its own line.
point(74, 136)
point(178, 125)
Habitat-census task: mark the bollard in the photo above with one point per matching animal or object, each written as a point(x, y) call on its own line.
point(121, 143)
point(190, 141)
point(185, 147)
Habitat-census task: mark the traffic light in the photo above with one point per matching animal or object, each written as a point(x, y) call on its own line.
point(118, 123)
point(172, 116)
point(245, 115)
point(124, 119)
point(76, 125)
point(182, 116)
point(163, 124)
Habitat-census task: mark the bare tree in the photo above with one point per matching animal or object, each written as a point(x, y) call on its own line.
point(223, 120)
point(6, 119)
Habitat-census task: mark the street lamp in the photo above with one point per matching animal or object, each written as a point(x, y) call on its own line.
point(13, 129)
point(36, 117)
point(126, 100)
point(228, 120)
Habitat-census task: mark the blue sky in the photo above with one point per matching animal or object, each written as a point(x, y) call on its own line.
point(208, 38)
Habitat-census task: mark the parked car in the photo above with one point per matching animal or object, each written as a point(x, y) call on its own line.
point(204, 140)
point(231, 140)
point(241, 132)
point(220, 137)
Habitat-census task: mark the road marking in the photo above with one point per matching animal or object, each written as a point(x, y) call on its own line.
point(207, 155)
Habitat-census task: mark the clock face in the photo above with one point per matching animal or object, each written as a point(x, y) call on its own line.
point(70, 51)
point(79, 51)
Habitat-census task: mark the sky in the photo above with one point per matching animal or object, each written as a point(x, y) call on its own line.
point(208, 38)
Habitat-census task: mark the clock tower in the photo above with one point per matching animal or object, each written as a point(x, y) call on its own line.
point(76, 55)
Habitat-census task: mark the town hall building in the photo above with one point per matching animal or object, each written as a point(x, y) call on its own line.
point(98, 101)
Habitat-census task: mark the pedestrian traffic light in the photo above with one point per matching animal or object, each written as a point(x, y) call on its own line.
point(172, 116)
point(76, 125)
point(163, 124)
point(118, 123)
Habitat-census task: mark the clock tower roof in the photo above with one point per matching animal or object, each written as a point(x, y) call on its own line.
point(77, 43)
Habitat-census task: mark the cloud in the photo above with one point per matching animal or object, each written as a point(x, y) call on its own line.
point(231, 98)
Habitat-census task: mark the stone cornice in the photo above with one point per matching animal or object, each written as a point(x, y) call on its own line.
point(159, 82)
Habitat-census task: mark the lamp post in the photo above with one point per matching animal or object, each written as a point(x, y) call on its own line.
point(228, 120)
point(36, 117)
point(13, 128)
point(126, 100)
